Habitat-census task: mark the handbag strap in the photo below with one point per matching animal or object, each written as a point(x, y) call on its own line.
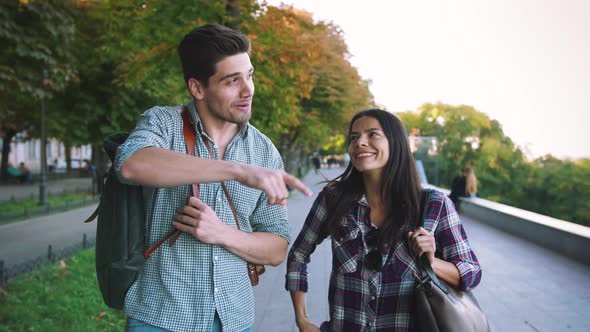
point(422, 262)
point(189, 140)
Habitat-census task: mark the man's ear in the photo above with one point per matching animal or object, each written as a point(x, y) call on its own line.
point(196, 89)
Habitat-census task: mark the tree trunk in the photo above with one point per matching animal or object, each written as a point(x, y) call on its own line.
point(68, 153)
point(6, 140)
point(101, 160)
point(232, 9)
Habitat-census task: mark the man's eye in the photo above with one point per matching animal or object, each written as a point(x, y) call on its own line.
point(233, 80)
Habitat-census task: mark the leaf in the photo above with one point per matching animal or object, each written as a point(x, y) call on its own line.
point(100, 316)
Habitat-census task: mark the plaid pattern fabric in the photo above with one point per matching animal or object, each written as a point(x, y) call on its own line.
point(364, 300)
point(182, 286)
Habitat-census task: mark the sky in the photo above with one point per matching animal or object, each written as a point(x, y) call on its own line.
point(525, 63)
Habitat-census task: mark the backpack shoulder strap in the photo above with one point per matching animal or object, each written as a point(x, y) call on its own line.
point(93, 215)
point(189, 140)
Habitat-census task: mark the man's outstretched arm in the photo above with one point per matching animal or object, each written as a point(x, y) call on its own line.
point(158, 167)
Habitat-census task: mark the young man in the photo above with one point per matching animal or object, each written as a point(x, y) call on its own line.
point(201, 283)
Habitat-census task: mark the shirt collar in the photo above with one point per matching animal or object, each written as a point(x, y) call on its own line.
point(192, 108)
point(363, 201)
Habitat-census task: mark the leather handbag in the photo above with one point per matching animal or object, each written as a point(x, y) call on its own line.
point(254, 270)
point(442, 308)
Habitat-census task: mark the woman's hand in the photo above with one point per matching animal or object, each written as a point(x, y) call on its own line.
point(305, 325)
point(422, 242)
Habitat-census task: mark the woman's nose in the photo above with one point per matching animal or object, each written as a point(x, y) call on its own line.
point(361, 141)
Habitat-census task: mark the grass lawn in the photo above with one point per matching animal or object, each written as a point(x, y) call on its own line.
point(59, 297)
point(17, 210)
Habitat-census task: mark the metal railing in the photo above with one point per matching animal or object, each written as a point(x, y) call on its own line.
point(10, 272)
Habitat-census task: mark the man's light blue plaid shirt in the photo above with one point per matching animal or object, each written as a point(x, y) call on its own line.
point(182, 286)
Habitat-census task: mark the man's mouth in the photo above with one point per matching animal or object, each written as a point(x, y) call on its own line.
point(243, 106)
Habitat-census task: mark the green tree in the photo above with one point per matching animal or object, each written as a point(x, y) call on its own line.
point(305, 87)
point(127, 63)
point(460, 131)
point(549, 186)
point(35, 36)
point(559, 188)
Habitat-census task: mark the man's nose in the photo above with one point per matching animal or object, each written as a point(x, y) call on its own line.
point(247, 89)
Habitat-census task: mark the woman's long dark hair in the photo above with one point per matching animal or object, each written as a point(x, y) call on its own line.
point(401, 189)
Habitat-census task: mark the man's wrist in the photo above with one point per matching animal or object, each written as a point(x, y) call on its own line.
point(237, 171)
point(227, 237)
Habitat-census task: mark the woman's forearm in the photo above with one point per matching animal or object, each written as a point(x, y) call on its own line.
point(299, 305)
point(447, 271)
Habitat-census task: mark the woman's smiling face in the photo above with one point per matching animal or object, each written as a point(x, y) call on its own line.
point(368, 148)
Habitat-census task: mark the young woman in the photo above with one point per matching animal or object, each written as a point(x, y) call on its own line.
point(371, 214)
point(464, 185)
point(470, 182)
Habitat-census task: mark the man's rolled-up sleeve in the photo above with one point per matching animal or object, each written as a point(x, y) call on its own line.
point(152, 130)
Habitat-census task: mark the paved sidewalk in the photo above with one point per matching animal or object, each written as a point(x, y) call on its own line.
point(524, 288)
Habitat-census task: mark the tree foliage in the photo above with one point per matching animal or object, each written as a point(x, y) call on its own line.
point(36, 37)
point(307, 90)
point(467, 137)
point(108, 61)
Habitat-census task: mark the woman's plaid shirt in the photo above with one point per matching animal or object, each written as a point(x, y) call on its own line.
point(364, 300)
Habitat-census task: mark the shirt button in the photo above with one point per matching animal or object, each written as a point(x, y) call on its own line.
point(372, 297)
point(215, 289)
point(219, 199)
point(215, 257)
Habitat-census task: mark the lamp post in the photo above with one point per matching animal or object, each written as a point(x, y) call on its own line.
point(43, 183)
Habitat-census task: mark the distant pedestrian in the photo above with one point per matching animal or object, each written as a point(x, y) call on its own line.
point(464, 185)
point(317, 163)
point(25, 174)
point(471, 183)
point(91, 170)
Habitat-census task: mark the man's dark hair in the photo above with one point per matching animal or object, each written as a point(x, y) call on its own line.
point(401, 188)
point(202, 48)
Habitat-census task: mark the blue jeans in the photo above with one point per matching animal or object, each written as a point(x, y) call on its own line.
point(133, 325)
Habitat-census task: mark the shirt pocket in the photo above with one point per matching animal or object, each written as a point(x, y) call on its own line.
point(402, 265)
point(346, 248)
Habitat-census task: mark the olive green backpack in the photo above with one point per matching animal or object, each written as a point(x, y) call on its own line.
point(120, 249)
point(119, 232)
